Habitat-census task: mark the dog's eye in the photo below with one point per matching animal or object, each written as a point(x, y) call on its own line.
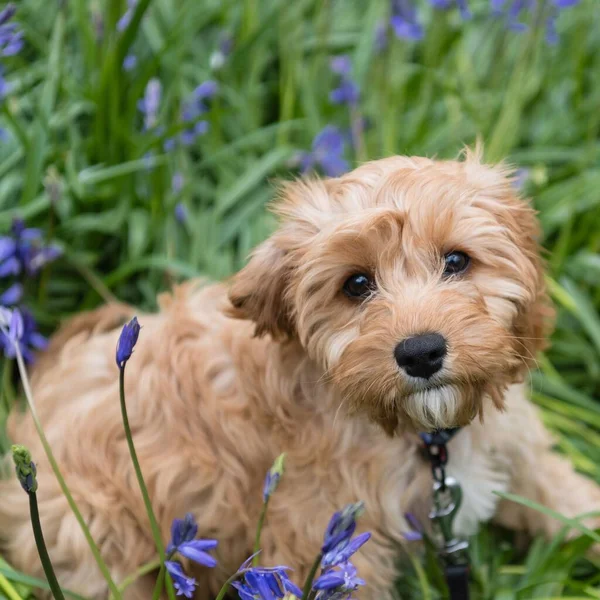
point(358, 285)
point(455, 262)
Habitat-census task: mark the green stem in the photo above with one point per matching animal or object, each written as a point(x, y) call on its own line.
point(42, 550)
point(259, 527)
point(138, 471)
point(143, 570)
point(61, 481)
point(311, 576)
point(226, 585)
point(145, 495)
point(160, 582)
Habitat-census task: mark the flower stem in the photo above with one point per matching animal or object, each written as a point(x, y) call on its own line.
point(259, 527)
point(145, 495)
point(311, 576)
point(63, 485)
point(160, 582)
point(226, 585)
point(41, 547)
point(143, 570)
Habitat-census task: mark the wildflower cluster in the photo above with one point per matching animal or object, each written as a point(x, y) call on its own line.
point(264, 583)
point(22, 256)
point(183, 542)
point(347, 91)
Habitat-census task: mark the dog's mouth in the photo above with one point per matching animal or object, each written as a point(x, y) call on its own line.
point(435, 406)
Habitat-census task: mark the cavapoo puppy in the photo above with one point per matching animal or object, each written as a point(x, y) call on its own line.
point(405, 296)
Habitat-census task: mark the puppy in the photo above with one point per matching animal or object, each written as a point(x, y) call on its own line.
point(405, 296)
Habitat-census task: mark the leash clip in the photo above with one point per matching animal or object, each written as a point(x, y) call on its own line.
point(447, 498)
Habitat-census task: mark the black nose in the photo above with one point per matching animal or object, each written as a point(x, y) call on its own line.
point(421, 355)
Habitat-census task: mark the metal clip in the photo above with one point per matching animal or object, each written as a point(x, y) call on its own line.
point(447, 497)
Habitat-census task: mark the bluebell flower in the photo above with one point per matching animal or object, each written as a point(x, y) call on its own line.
point(264, 583)
point(150, 103)
point(124, 21)
point(130, 62)
point(381, 36)
point(347, 91)
point(327, 153)
point(12, 295)
point(169, 144)
point(177, 182)
point(11, 40)
point(343, 551)
point(341, 526)
point(183, 532)
point(194, 108)
point(21, 251)
point(184, 585)
point(415, 534)
point(4, 87)
point(22, 332)
point(181, 213)
point(338, 583)
point(273, 477)
point(404, 20)
point(127, 341)
point(462, 5)
point(518, 10)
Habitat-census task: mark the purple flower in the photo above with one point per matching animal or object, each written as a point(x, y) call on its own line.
point(21, 251)
point(181, 213)
point(381, 36)
point(338, 583)
point(404, 20)
point(11, 40)
point(12, 295)
point(416, 532)
point(4, 87)
point(184, 585)
point(347, 91)
point(183, 532)
point(150, 103)
point(127, 341)
point(463, 7)
point(124, 21)
point(18, 328)
point(169, 144)
point(273, 476)
point(177, 182)
point(264, 583)
point(342, 65)
point(341, 527)
point(327, 152)
point(206, 90)
point(130, 62)
point(343, 551)
point(518, 9)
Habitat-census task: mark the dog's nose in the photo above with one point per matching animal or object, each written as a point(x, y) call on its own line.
point(421, 355)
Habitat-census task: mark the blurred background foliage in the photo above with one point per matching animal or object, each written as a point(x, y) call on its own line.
point(144, 137)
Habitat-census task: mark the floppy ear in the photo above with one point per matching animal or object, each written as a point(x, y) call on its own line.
point(535, 319)
point(258, 291)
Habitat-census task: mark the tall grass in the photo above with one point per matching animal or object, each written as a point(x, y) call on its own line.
point(77, 162)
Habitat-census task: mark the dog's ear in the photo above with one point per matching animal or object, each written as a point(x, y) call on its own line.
point(535, 318)
point(258, 291)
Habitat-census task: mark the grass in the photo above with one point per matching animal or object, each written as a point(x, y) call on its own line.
point(77, 162)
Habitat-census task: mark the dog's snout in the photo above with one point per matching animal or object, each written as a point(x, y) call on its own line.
point(421, 355)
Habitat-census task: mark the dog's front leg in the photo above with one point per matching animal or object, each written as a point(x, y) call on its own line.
point(536, 471)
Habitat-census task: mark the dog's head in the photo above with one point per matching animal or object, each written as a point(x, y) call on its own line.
point(416, 284)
